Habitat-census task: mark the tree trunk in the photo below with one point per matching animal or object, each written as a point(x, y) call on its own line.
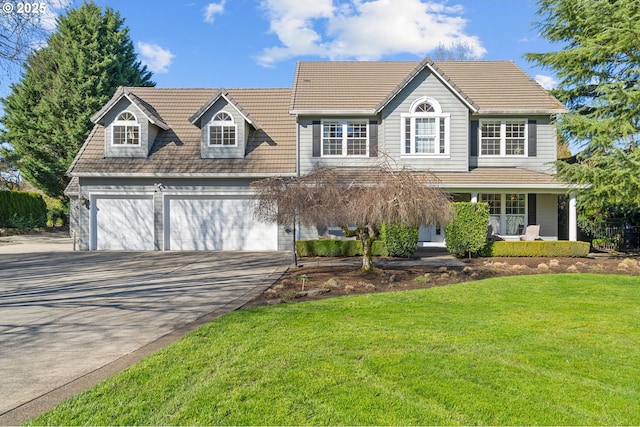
point(367, 235)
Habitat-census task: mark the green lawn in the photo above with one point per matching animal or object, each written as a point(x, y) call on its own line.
point(543, 349)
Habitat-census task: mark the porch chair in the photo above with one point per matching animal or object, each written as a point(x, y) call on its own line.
point(531, 233)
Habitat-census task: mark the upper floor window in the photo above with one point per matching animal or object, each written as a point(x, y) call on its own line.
point(345, 138)
point(503, 137)
point(425, 129)
point(222, 130)
point(126, 130)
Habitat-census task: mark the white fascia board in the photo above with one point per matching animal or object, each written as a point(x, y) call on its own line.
point(560, 188)
point(525, 112)
point(180, 175)
point(193, 120)
point(370, 112)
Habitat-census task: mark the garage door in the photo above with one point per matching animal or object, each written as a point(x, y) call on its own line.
point(123, 223)
point(216, 224)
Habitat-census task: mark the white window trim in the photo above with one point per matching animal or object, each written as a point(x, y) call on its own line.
point(503, 210)
point(438, 115)
point(344, 123)
point(503, 138)
point(223, 124)
point(126, 124)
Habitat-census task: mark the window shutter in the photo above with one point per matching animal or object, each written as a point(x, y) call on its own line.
point(373, 138)
point(316, 138)
point(473, 138)
point(533, 136)
point(532, 209)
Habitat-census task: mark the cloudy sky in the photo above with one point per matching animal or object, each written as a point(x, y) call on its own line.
point(256, 43)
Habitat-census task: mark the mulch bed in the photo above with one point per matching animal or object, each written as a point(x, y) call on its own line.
point(314, 279)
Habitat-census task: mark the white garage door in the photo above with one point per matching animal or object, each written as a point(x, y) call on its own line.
point(123, 223)
point(216, 224)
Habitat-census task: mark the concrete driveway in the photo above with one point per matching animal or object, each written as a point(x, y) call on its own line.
point(70, 319)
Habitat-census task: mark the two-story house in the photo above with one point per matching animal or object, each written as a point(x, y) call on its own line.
point(170, 169)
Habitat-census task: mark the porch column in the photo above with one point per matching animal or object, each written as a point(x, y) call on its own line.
point(474, 197)
point(573, 218)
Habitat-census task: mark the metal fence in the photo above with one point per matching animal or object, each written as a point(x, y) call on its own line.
point(617, 238)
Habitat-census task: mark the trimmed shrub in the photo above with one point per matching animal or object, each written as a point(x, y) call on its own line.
point(467, 232)
point(400, 240)
point(538, 248)
point(337, 248)
point(19, 209)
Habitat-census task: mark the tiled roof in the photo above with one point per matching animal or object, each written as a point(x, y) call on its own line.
point(269, 150)
point(489, 86)
point(481, 178)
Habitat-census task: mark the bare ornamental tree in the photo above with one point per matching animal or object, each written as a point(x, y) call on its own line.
point(347, 198)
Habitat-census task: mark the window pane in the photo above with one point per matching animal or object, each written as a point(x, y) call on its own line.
point(515, 207)
point(515, 225)
point(228, 135)
point(425, 107)
point(357, 139)
point(442, 132)
point(425, 135)
point(332, 139)
point(490, 139)
point(514, 133)
point(119, 134)
point(407, 135)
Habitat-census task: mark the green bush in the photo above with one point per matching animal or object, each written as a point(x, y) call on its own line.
point(57, 212)
point(337, 248)
point(19, 209)
point(538, 248)
point(400, 240)
point(467, 232)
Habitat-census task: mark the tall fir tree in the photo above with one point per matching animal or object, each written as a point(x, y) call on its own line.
point(47, 114)
point(598, 63)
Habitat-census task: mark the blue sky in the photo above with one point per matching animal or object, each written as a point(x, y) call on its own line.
point(256, 43)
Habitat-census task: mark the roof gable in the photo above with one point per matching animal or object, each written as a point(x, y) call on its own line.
point(485, 87)
point(224, 94)
point(125, 93)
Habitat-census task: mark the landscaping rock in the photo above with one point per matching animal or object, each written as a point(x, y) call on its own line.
point(543, 267)
point(467, 270)
point(348, 288)
point(316, 292)
point(572, 269)
point(554, 263)
point(333, 283)
point(442, 269)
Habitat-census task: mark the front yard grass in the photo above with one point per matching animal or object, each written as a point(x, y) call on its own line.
point(544, 349)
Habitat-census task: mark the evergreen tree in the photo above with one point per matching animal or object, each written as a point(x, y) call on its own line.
point(598, 63)
point(47, 114)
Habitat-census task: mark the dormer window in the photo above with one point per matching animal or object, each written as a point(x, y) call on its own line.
point(425, 129)
point(126, 130)
point(222, 131)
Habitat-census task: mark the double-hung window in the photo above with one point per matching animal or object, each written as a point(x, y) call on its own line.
point(223, 131)
point(503, 137)
point(507, 212)
point(425, 129)
point(345, 138)
point(126, 130)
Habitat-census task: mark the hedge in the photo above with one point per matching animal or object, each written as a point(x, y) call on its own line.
point(400, 240)
point(537, 248)
point(337, 248)
point(19, 209)
point(467, 232)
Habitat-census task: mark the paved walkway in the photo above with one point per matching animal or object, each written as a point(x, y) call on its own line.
point(71, 319)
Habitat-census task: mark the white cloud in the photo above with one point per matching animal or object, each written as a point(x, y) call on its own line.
point(213, 9)
point(546, 82)
point(363, 30)
point(155, 57)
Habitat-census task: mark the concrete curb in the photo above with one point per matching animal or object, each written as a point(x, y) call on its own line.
point(43, 403)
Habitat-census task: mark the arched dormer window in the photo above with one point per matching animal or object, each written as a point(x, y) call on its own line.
point(126, 130)
point(223, 131)
point(425, 129)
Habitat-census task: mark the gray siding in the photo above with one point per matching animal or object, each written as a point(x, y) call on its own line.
point(426, 84)
point(545, 153)
point(147, 135)
point(307, 161)
point(241, 129)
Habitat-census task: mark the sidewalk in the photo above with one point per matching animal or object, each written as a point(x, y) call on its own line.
point(56, 241)
point(430, 256)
